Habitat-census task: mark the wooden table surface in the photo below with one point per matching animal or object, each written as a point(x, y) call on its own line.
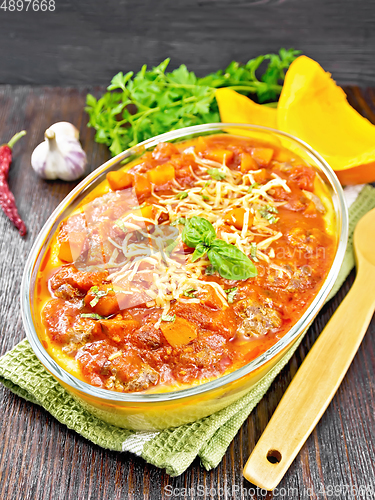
point(42, 459)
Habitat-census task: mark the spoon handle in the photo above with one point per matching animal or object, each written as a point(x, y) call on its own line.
point(313, 386)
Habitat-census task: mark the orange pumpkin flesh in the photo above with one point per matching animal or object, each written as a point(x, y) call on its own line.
point(313, 108)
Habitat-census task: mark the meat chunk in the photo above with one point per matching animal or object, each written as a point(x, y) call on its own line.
point(258, 319)
point(79, 280)
point(199, 358)
point(303, 176)
point(66, 326)
point(106, 366)
point(164, 151)
point(149, 338)
point(67, 292)
point(144, 379)
point(307, 240)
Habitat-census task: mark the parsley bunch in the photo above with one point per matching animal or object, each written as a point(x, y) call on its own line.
point(137, 107)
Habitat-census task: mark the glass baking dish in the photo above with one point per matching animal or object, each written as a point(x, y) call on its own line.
point(155, 411)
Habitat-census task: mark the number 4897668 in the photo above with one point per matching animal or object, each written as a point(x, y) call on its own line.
point(35, 5)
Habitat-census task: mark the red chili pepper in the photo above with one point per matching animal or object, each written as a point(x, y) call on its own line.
point(7, 201)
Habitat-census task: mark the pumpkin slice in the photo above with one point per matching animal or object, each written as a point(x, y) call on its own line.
point(313, 108)
point(237, 108)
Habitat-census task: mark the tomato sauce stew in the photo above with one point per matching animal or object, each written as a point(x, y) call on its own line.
point(185, 266)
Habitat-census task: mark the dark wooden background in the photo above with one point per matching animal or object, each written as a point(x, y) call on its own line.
point(84, 43)
point(87, 42)
point(41, 459)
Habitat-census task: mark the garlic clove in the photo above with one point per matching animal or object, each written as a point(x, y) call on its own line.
point(74, 158)
point(65, 128)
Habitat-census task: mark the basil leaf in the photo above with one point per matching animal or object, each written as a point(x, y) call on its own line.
point(198, 230)
point(230, 262)
point(200, 251)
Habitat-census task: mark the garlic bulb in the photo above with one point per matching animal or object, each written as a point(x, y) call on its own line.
point(60, 155)
point(65, 128)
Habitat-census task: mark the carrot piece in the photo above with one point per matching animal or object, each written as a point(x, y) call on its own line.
point(262, 156)
point(260, 176)
point(310, 209)
point(119, 180)
point(117, 330)
point(71, 247)
point(161, 174)
point(220, 155)
point(200, 145)
point(236, 218)
point(248, 163)
point(180, 332)
point(142, 185)
point(147, 211)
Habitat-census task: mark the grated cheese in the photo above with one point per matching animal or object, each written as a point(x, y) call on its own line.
point(173, 272)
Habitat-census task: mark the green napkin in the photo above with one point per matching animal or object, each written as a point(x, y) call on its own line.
point(172, 449)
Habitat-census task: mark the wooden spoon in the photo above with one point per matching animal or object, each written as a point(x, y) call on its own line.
point(321, 373)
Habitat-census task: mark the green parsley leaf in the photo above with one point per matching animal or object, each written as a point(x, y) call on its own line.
point(189, 292)
point(179, 221)
point(216, 174)
point(170, 246)
point(98, 294)
point(91, 315)
point(119, 223)
point(171, 318)
point(268, 212)
point(253, 252)
point(253, 186)
point(231, 293)
point(182, 195)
